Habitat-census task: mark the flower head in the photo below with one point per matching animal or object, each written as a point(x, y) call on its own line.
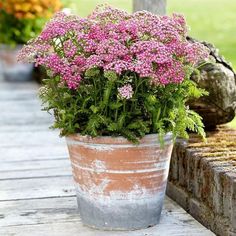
point(125, 92)
point(112, 40)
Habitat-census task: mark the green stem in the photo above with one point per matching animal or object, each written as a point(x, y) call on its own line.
point(124, 105)
point(95, 89)
point(155, 121)
point(164, 111)
point(116, 112)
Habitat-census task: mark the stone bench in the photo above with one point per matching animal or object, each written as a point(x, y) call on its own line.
point(202, 179)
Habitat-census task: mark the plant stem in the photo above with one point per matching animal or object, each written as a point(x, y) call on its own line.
point(116, 112)
point(124, 105)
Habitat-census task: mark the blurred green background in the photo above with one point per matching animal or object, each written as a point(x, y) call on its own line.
point(209, 20)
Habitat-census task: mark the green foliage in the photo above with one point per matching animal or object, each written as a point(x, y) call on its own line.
point(95, 108)
point(18, 31)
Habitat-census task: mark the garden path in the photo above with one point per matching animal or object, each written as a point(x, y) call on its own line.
point(37, 196)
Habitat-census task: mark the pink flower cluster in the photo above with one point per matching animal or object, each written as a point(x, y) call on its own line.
point(126, 91)
point(113, 40)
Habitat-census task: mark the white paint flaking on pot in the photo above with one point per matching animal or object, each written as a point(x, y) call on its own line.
point(76, 155)
point(139, 195)
point(158, 167)
point(141, 162)
point(97, 190)
point(161, 165)
point(93, 189)
point(99, 147)
point(98, 166)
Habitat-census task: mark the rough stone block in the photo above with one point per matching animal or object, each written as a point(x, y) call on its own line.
point(178, 194)
point(203, 181)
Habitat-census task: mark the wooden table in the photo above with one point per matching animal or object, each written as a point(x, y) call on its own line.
point(37, 196)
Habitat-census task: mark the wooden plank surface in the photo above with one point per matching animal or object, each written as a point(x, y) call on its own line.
point(29, 138)
point(37, 195)
point(21, 153)
point(34, 188)
point(60, 217)
point(38, 168)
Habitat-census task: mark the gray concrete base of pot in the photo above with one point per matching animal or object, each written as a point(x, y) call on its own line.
point(120, 215)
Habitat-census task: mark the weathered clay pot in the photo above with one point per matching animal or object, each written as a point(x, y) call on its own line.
point(10, 68)
point(120, 186)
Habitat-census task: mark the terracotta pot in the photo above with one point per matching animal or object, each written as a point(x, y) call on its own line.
point(120, 186)
point(10, 68)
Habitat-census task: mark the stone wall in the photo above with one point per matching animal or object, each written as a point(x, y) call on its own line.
point(202, 179)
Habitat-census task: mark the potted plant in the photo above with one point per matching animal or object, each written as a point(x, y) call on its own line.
point(19, 22)
point(118, 89)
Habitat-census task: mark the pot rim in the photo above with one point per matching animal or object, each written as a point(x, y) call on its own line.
point(111, 140)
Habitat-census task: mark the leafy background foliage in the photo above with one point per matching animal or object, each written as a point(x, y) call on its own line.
point(15, 31)
point(21, 20)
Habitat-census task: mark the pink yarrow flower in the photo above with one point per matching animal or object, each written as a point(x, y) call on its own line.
point(112, 40)
point(125, 92)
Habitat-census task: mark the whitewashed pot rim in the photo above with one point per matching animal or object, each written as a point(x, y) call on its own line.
point(149, 139)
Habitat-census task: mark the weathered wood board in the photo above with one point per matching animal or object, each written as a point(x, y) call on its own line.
point(60, 217)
